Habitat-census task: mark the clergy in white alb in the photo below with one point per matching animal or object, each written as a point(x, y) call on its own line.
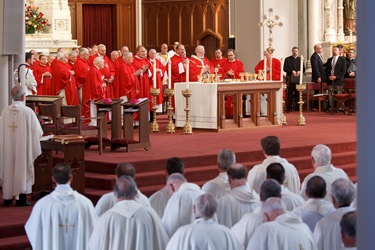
point(26, 76)
point(244, 229)
point(179, 209)
point(219, 186)
point(348, 225)
point(271, 151)
point(107, 201)
point(204, 232)
point(240, 200)
point(128, 225)
point(160, 198)
point(63, 219)
point(321, 160)
point(291, 200)
point(20, 134)
point(316, 207)
point(284, 231)
point(327, 231)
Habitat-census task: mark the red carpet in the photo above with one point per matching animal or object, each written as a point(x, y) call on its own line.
point(199, 154)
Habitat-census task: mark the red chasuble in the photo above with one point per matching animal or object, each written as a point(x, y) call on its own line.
point(219, 64)
point(81, 69)
point(195, 67)
point(128, 82)
point(276, 69)
point(236, 66)
point(106, 72)
point(60, 77)
point(159, 81)
point(44, 86)
point(71, 92)
point(144, 80)
point(116, 81)
point(92, 90)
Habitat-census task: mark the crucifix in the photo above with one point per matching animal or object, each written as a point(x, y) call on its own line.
point(66, 225)
point(13, 126)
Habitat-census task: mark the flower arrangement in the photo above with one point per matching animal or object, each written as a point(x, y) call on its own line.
point(34, 19)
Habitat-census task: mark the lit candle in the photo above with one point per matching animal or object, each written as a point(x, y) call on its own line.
point(154, 72)
point(169, 74)
point(351, 36)
point(265, 69)
point(271, 67)
point(282, 69)
point(187, 74)
point(301, 71)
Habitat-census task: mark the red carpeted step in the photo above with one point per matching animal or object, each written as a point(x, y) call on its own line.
point(15, 243)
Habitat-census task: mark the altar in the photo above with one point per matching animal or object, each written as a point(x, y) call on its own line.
point(207, 104)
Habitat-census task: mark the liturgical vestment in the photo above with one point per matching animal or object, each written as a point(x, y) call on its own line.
point(218, 186)
point(159, 201)
point(20, 134)
point(129, 225)
point(257, 175)
point(287, 232)
point(204, 234)
point(62, 220)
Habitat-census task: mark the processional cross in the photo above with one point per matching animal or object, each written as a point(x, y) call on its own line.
point(66, 225)
point(270, 22)
point(13, 126)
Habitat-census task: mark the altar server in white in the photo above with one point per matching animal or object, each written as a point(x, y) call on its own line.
point(219, 186)
point(20, 134)
point(316, 207)
point(327, 232)
point(161, 197)
point(108, 200)
point(204, 232)
point(240, 200)
point(321, 161)
point(179, 209)
point(244, 229)
point(63, 219)
point(271, 151)
point(284, 231)
point(291, 200)
point(128, 225)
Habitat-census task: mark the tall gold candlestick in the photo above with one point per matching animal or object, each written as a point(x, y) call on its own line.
point(187, 129)
point(283, 117)
point(170, 126)
point(154, 125)
point(301, 119)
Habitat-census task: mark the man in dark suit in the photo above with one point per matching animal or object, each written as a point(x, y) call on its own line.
point(351, 64)
point(335, 70)
point(318, 70)
point(292, 67)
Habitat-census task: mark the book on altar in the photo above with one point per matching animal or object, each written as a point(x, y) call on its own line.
point(137, 101)
point(68, 138)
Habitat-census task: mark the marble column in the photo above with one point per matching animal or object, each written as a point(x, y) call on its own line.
point(365, 125)
point(315, 23)
point(340, 20)
point(329, 27)
point(302, 28)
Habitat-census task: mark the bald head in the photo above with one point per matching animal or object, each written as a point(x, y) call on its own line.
point(272, 208)
point(174, 182)
point(125, 168)
point(17, 93)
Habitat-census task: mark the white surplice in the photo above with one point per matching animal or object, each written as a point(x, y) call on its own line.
point(179, 209)
point(313, 210)
point(129, 225)
point(287, 232)
point(239, 201)
point(108, 200)
point(20, 134)
point(218, 186)
point(329, 173)
point(204, 234)
point(327, 233)
point(291, 200)
point(159, 201)
point(257, 175)
point(61, 220)
point(244, 229)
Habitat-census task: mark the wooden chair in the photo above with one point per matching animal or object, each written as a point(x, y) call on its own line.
point(311, 96)
point(49, 118)
point(348, 94)
point(78, 126)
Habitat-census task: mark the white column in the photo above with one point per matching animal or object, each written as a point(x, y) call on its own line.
point(315, 23)
point(329, 28)
point(138, 22)
point(340, 20)
point(365, 125)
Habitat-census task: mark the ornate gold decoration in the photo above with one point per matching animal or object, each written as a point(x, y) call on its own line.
point(301, 119)
point(187, 129)
point(154, 124)
point(170, 126)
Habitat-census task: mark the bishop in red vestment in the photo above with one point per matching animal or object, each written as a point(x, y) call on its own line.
point(141, 63)
point(43, 76)
point(276, 67)
point(199, 64)
point(128, 81)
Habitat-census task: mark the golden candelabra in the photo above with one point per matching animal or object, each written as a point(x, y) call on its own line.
point(283, 107)
point(187, 129)
point(154, 124)
point(301, 119)
point(170, 126)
